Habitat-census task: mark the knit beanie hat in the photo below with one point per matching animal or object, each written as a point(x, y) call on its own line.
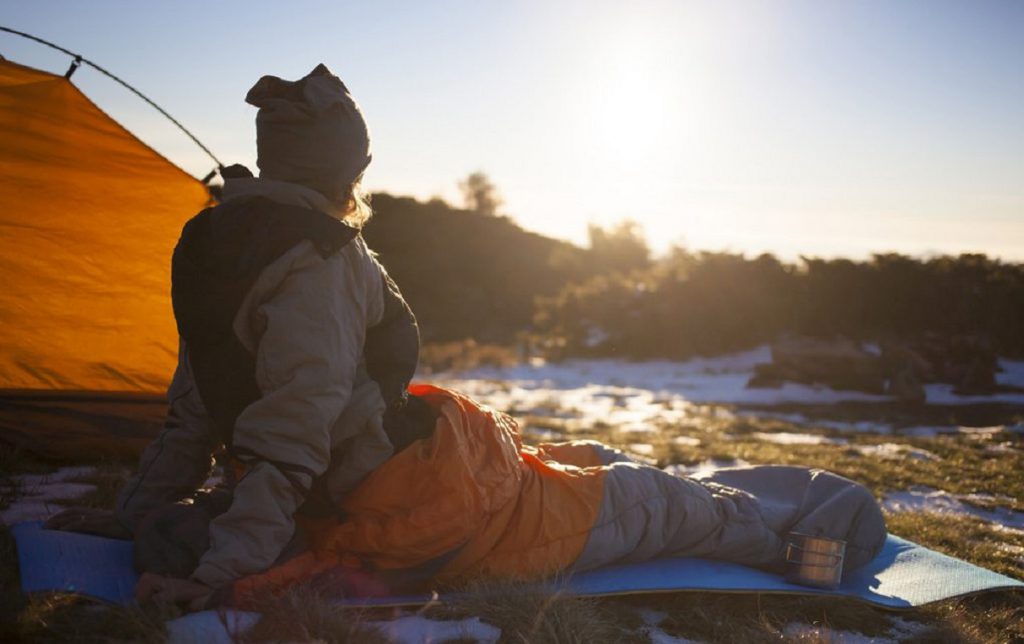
point(310, 132)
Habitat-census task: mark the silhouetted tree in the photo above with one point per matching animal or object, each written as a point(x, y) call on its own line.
point(621, 247)
point(480, 195)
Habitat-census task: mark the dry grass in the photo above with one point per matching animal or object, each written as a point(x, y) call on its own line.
point(11, 600)
point(461, 356)
point(108, 478)
point(751, 618)
point(991, 617)
point(12, 463)
point(301, 615)
point(67, 618)
point(526, 613)
point(964, 465)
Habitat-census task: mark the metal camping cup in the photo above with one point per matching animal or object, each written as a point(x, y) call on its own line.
point(814, 561)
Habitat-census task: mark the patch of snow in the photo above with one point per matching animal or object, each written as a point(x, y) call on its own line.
point(1012, 374)
point(859, 427)
point(925, 499)
point(414, 629)
point(871, 427)
point(904, 629)
point(210, 627)
point(901, 630)
point(704, 467)
point(721, 379)
point(942, 394)
point(787, 438)
point(658, 636)
point(582, 408)
point(1005, 447)
point(56, 491)
point(64, 474)
point(652, 618)
point(637, 428)
point(21, 511)
point(803, 632)
point(40, 495)
point(982, 432)
point(896, 451)
point(1010, 548)
point(596, 336)
point(1017, 552)
point(987, 499)
point(976, 433)
point(1008, 530)
point(225, 627)
point(688, 441)
point(545, 435)
point(644, 449)
point(928, 431)
point(795, 418)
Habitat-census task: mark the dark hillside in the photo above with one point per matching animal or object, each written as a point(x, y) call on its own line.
point(709, 303)
point(466, 274)
point(473, 275)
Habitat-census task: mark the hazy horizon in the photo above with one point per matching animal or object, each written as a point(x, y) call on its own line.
point(797, 128)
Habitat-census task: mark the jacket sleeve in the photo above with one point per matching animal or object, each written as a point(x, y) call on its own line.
point(179, 460)
point(313, 329)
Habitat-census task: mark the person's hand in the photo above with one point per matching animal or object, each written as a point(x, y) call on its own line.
point(95, 521)
point(170, 590)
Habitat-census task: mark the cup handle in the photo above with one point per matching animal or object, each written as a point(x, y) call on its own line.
point(790, 547)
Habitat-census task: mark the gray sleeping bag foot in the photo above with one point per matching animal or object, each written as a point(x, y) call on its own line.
point(740, 515)
point(813, 502)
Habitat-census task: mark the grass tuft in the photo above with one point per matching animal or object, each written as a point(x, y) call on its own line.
point(59, 617)
point(302, 615)
point(528, 614)
point(109, 478)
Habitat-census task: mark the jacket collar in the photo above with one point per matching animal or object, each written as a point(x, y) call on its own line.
point(282, 192)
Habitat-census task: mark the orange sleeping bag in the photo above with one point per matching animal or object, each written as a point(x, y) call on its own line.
point(472, 497)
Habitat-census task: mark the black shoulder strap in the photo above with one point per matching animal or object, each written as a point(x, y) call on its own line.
point(392, 346)
point(220, 255)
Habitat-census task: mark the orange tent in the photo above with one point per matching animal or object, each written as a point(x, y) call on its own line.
point(89, 216)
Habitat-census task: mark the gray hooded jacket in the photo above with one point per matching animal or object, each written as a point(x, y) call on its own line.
point(305, 321)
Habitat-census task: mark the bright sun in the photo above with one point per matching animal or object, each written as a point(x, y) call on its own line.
point(625, 107)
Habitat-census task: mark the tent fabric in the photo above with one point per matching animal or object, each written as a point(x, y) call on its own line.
point(63, 428)
point(89, 216)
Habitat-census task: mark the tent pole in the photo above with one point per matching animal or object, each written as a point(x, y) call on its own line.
point(74, 66)
point(78, 58)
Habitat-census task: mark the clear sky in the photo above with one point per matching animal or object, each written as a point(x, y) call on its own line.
point(807, 127)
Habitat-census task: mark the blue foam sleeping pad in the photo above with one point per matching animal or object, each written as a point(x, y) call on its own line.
point(904, 575)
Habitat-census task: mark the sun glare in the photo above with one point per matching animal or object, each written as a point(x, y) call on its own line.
point(624, 107)
point(623, 119)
